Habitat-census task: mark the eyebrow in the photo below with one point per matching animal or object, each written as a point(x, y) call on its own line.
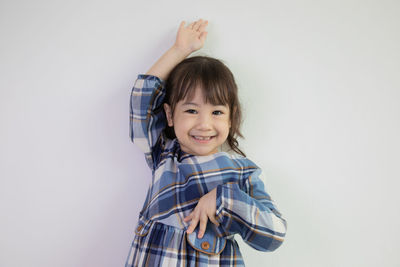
point(194, 104)
point(189, 103)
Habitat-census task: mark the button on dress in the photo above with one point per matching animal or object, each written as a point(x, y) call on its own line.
point(179, 180)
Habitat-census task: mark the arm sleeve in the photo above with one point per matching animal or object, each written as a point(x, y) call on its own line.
point(251, 213)
point(147, 118)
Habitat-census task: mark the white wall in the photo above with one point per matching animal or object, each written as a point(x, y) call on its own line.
point(319, 82)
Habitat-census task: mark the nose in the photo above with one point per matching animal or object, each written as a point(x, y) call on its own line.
point(204, 122)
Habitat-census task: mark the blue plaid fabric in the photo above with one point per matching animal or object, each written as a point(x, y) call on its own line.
point(179, 180)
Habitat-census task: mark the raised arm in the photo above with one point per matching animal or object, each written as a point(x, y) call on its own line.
point(147, 120)
point(188, 40)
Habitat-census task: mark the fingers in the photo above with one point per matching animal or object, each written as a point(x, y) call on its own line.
point(202, 219)
point(193, 224)
point(204, 210)
point(214, 220)
point(191, 25)
point(188, 218)
point(196, 218)
point(203, 226)
point(202, 26)
point(198, 25)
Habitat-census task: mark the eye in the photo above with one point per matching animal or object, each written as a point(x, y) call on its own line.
point(218, 112)
point(191, 111)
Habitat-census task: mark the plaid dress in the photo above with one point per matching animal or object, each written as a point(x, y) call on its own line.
point(179, 180)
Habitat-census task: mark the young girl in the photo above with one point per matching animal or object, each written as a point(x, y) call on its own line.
point(181, 112)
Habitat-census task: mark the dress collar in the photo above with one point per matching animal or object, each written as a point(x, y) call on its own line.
point(181, 155)
point(179, 152)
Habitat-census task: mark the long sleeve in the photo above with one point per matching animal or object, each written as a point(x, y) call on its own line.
point(250, 212)
point(147, 119)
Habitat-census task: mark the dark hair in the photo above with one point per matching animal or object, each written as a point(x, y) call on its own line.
point(206, 72)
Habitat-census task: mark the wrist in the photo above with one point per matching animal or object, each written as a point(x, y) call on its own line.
point(181, 51)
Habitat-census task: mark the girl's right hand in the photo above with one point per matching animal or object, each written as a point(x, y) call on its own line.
point(191, 37)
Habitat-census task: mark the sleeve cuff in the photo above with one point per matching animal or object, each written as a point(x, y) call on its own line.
point(150, 77)
point(219, 204)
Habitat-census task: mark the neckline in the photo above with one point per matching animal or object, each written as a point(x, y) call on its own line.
point(184, 155)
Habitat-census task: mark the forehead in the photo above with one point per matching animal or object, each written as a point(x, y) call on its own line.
point(197, 97)
point(195, 94)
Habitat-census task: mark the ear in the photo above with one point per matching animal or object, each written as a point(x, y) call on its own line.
point(168, 112)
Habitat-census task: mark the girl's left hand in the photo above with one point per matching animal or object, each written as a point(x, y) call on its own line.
point(205, 209)
point(192, 37)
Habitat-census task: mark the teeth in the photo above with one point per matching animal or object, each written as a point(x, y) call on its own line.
point(202, 138)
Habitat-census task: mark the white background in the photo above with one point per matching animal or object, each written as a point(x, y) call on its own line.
point(319, 82)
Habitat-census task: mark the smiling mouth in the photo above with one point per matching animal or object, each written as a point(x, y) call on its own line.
point(202, 139)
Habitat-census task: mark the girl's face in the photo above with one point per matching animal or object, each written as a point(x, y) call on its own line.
point(199, 127)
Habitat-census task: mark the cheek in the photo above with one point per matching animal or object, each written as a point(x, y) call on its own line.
point(181, 123)
point(224, 125)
